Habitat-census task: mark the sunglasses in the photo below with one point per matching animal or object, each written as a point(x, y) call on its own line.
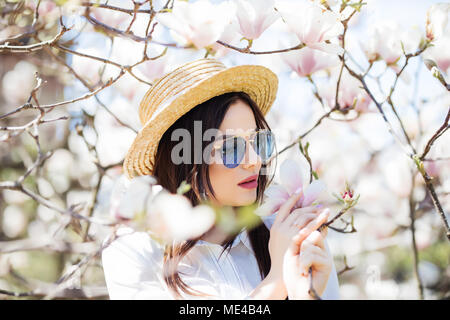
point(232, 148)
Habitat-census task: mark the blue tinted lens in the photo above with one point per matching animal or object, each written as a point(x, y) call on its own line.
point(264, 144)
point(233, 151)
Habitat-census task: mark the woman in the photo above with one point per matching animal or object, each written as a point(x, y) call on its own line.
point(255, 263)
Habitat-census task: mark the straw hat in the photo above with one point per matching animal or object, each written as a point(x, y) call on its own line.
point(189, 85)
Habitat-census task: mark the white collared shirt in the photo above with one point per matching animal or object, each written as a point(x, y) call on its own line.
point(133, 265)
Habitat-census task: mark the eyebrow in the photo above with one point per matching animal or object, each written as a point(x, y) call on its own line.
point(226, 136)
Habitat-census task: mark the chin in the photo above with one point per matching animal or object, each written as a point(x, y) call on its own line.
point(246, 199)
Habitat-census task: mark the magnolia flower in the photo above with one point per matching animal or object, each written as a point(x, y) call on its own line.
point(18, 83)
point(387, 41)
point(350, 95)
point(130, 197)
point(171, 218)
point(168, 217)
point(437, 20)
point(111, 18)
point(14, 221)
point(200, 23)
point(255, 16)
point(291, 181)
point(87, 68)
point(230, 34)
point(153, 69)
point(348, 196)
point(307, 61)
point(45, 7)
point(313, 25)
point(438, 53)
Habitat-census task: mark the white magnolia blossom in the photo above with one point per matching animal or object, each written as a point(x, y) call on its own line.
point(200, 23)
point(89, 69)
point(14, 221)
point(313, 25)
point(437, 20)
point(19, 82)
point(130, 197)
point(439, 53)
point(255, 16)
point(171, 218)
point(387, 41)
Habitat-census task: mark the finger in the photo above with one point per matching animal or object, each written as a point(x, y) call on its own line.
point(302, 211)
point(285, 209)
point(316, 239)
point(315, 261)
point(314, 224)
point(324, 232)
point(297, 240)
point(299, 221)
point(310, 248)
point(307, 209)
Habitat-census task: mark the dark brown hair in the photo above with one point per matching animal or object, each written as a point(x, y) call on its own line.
point(169, 175)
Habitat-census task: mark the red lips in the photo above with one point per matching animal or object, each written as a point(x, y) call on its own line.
point(248, 179)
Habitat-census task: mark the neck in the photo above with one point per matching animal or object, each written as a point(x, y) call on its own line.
point(216, 234)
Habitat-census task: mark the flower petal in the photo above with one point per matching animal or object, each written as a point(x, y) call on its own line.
point(312, 192)
point(269, 207)
point(276, 192)
point(291, 175)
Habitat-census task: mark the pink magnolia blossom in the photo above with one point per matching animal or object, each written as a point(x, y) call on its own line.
point(350, 93)
point(307, 61)
point(291, 181)
point(437, 20)
point(45, 7)
point(255, 16)
point(111, 18)
point(312, 24)
point(230, 34)
point(154, 69)
point(201, 22)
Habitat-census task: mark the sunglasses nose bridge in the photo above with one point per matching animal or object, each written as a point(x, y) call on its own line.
point(251, 157)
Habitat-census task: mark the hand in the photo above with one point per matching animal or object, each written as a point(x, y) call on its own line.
point(303, 254)
point(285, 227)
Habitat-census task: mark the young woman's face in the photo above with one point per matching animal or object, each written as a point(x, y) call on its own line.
point(225, 181)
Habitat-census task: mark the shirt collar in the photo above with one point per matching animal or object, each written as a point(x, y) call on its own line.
point(244, 238)
point(241, 237)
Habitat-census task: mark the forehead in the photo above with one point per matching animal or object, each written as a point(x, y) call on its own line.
point(239, 117)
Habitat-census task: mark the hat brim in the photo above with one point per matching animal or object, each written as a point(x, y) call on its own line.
point(259, 82)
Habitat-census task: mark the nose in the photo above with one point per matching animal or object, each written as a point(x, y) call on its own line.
point(251, 158)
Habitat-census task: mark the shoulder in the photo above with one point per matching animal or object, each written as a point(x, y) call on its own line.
point(131, 249)
point(132, 266)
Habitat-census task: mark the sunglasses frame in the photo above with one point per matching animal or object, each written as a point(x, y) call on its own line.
point(218, 144)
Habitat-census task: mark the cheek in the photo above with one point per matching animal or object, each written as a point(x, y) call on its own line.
point(224, 183)
point(222, 180)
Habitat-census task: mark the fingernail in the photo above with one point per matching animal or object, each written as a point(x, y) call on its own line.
point(319, 205)
point(324, 213)
point(298, 190)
